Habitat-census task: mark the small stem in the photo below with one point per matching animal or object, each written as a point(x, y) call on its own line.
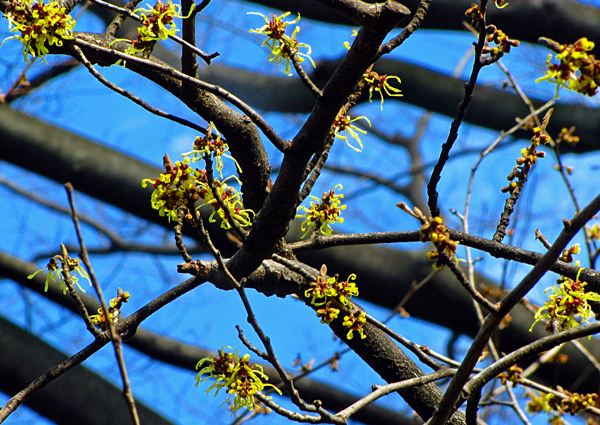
point(133, 97)
point(114, 336)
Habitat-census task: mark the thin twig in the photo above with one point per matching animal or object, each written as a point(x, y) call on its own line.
point(179, 237)
point(515, 192)
point(413, 25)
point(382, 390)
point(589, 356)
point(68, 279)
point(238, 230)
point(515, 405)
point(414, 287)
point(260, 122)
point(314, 168)
point(316, 92)
point(496, 249)
point(493, 146)
point(128, 11)
point(298, 417)
point(416, 349)
point(453, 396)
point(115, 337)
point(116, 23)
point(459, 117)
point(133, 97)
point(467, 284)
point(249, 345)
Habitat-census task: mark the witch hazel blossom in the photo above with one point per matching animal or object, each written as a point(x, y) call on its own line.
point(55, 268)
point(40, 25)
point(568, 304)
point(157, 24)
point(577, 70)
point(381, 83)
point(342, 127)
point(212, 146)
point(355, 322)
point(322, 214)
point(182, 186)
point(282, 45)
point(241, 379)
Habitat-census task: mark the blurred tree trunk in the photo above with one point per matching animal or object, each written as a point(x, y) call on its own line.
point(64, 156)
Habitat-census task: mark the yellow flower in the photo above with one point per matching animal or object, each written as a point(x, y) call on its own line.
point(41, 25)
point(280, 44)
point(209, 145)
point(320, 216)
point(577, 71)
point(346, 290)
point(55, 272)
point(567, 301)
point(378, 82)
point(239, 376)
point(157, 24)
point(342, 126)
point(328, 314)
point(355, 324)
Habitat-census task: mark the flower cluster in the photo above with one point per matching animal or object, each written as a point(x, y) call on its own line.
point(41, 25)
point(355, 323)
point(334, 293)
point(281, 45)
point(573, 403)
point(529, 156)
point(328, 314)
point(322, 214)
point(577, 71)
point(568, 300)
point(182, 185)
point(239, 376)
point(208, 145)
point(474, 12)
point(157, 24)
point(114, 311)
point(378, 82)
point(323, 289)
point(567, 254)
point(343, 125)
point(55, 272)
point(567, 136)
point(503, 43)
point(513, 374)
point(434, 230)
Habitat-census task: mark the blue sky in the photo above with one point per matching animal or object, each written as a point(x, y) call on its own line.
point(207, 316)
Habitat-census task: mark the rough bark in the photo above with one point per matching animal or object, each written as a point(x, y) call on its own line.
point(442, 301)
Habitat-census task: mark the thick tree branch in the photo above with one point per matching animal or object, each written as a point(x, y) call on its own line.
point(63, 156)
